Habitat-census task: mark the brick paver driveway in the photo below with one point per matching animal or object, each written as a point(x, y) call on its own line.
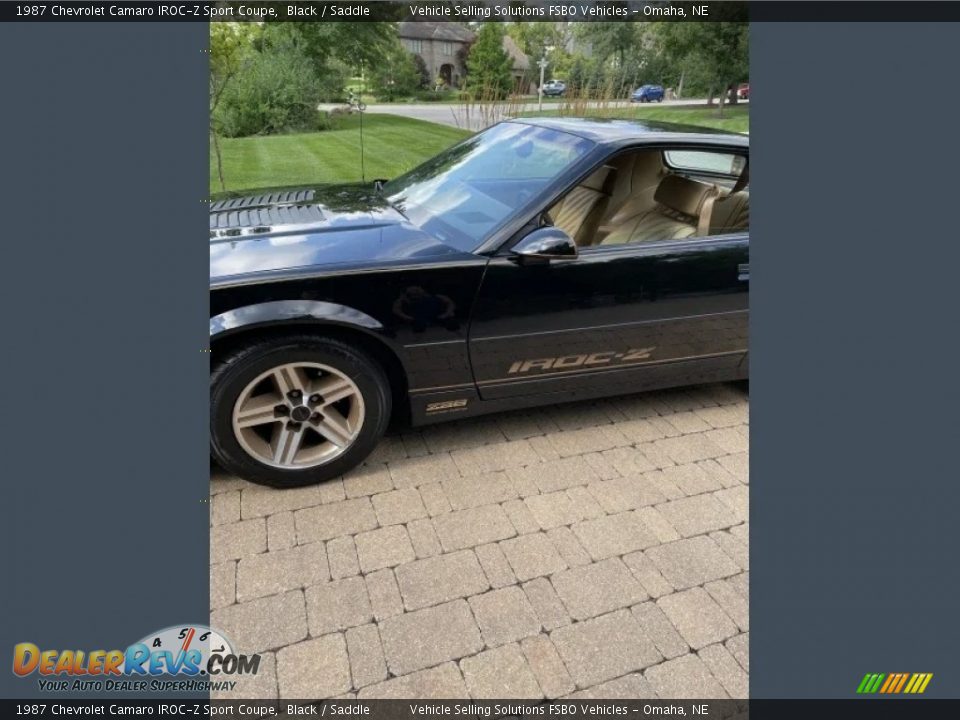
point(596, 549)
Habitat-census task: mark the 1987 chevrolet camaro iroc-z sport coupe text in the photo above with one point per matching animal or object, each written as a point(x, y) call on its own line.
point(539, 261)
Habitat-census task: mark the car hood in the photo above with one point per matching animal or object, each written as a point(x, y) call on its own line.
point(305, 229)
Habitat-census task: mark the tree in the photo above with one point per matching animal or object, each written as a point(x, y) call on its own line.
point(720, 49)
point(422, 71)
point(622, 56)
point(230, 45)
point(616, 42)
point(543, 39)
point(396, 74)
point(488, 64)
point(354, 43)
point(584, 76)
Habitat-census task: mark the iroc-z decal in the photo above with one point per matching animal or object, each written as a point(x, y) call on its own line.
point(569, 362)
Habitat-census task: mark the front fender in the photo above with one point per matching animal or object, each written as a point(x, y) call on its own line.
point(290, 311)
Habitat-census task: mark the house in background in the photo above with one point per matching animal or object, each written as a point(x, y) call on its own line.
point(520, 67)
point(443, 47)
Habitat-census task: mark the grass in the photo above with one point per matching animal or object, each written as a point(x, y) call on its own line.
point(735, 118)
point(392, 145)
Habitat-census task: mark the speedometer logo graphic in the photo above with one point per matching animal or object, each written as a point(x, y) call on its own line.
point(181, 645)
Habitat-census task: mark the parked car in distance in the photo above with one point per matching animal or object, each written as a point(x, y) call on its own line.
point(743, 92)
point(647, 93)
point(539, 261)
point(554, 88)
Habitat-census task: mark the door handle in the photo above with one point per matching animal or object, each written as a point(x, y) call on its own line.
point(743, 272)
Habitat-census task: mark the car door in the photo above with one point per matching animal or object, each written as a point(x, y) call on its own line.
point(613, 319)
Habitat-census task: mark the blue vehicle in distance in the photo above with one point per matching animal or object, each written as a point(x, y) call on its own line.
point(647, 93)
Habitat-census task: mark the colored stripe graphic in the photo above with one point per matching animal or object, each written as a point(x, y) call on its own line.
point(894, 683)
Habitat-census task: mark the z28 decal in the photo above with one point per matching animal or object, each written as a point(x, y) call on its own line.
point(568, 362)
point(447, 405)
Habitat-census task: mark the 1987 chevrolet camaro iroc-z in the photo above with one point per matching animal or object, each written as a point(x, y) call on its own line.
point(539, 261)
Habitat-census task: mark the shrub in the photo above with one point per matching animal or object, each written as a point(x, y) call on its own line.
point(324, 121)
point(276, 91)
point(396, 76)
point(333, 81)
point(432, 95)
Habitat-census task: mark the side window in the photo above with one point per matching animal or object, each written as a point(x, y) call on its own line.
point(698, 161)
point(653, 195)
point(728, 212)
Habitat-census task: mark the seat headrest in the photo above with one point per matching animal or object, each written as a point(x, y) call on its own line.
point(731, 213)
point(682, 194)
point(600, 179)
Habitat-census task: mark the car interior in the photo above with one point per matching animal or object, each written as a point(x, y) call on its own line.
point(640, 197)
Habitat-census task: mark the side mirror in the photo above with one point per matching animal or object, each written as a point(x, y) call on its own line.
point(545, 244)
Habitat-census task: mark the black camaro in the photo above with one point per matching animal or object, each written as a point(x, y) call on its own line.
point(539, 261)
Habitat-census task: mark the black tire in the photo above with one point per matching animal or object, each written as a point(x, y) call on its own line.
point(239, 368)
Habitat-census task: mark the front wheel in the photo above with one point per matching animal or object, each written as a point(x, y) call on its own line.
point(297, 410)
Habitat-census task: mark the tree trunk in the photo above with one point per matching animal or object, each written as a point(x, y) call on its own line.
point(216, 150)
point(680, 86)
point(723, 97)
point(733, 93)
point(710, 96)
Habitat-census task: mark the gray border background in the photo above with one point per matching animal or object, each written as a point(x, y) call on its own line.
point(855, 258)
point(104, 293)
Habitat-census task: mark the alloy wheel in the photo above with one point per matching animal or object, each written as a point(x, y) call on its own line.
point(298, 415)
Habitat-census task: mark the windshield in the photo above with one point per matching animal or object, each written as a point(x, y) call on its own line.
point(466, 192)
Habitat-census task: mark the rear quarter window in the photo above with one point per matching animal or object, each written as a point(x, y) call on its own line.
point(704, 161)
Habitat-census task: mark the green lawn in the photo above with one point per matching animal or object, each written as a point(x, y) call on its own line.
point(735, 118)
point(392, 145)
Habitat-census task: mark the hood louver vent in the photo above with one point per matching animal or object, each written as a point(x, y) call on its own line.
point(291, 197)
point(262, 213)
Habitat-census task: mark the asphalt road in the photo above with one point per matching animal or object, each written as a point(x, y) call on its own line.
point(478, 116)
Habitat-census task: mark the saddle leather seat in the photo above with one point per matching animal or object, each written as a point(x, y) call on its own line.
point(728, 214)
point(581, 210)
point(676, 215)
